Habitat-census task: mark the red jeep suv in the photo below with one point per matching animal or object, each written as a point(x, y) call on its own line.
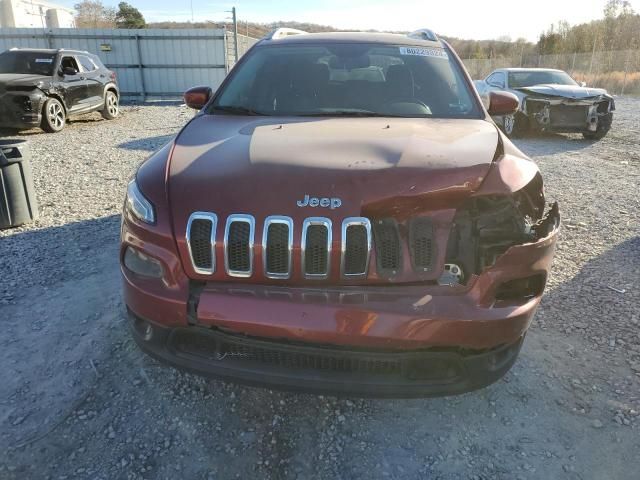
point(341, 216)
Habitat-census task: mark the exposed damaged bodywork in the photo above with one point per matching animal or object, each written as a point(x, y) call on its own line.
point(550, 101)
point(548, 110)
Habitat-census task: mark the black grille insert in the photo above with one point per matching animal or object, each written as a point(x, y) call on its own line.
point(277, 249)
point(239, 246)
point(235, 351)
point(356, 250)
point(200, 243)
point(421, 243)
point(316, 253)
point(387, 244)
point(291, 358)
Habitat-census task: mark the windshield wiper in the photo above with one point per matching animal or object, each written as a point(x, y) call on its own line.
point(236, 110)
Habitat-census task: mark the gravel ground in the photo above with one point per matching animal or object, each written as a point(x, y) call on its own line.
point(79, 400)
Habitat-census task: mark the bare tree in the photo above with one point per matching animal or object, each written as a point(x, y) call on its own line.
point(93, 14)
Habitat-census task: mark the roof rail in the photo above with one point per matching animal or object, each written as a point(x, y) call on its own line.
point(424, 34)
point(279, 33)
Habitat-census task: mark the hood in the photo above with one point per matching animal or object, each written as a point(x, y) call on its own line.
point(376, 167)
point(20, 79)
point(567, 91)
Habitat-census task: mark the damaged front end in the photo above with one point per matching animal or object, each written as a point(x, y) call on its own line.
point(21, 106)
point(589, 115)
point(495, 228)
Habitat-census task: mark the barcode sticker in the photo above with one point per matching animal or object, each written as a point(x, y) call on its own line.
point(424, 52)
point(44, 60)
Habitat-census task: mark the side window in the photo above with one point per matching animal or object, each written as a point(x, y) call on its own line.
point(87, 63)
point(69, 62)
point(97, 62)
point(496, 80)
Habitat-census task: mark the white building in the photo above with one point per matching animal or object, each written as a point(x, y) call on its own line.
point(34, 14)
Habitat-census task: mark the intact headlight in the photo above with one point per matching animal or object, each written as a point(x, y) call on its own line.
point(138, 205)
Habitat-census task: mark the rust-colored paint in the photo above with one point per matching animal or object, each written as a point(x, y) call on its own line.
point(502, 103)
point(379, 168)
point(197, 97)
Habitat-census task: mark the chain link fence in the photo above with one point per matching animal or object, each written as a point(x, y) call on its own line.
point(617, 71)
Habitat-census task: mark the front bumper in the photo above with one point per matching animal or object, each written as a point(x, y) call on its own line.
point(323, 368)
point(21, 110)
point(565, 115)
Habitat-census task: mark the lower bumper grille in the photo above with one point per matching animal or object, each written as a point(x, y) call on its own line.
point(215, 346)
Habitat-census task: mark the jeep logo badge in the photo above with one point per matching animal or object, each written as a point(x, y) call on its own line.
point(324, 202)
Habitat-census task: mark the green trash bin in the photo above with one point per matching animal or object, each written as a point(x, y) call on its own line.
point(18, 203)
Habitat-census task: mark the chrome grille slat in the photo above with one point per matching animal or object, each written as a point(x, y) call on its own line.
point(356, 247)
point(316, 248)
point(277, 245)
point(202, 250)
point(239, 237)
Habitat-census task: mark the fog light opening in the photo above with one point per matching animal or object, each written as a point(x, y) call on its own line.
point(141, 264)
point(520, 289)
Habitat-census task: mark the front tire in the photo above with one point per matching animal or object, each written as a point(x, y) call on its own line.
point(604, 125)
point(514, 125)
point(53, 116)
point(111, 107)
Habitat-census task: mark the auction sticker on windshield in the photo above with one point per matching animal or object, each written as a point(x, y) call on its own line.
point(424, 52)
point(44, 60)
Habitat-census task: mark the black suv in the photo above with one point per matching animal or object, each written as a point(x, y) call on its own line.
point(44, 87)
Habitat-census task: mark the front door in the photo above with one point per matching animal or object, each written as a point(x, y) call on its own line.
point(95, 80)
point(72, 86)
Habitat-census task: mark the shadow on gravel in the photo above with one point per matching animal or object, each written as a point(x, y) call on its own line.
point(602, 299)
point(150, 144)
point(56, 254)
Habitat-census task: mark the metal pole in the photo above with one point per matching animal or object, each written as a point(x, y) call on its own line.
point(626, 69)
point(140, 66)
point(593, 52)
point(235, 32)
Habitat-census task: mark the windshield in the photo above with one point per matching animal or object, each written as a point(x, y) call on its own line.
point(34, 63)
point(348, 79)
point(529, 79)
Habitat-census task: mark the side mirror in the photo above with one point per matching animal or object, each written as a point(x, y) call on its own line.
point(503, 103)
point(69, 71)
point(197, 97)
point(583, 84)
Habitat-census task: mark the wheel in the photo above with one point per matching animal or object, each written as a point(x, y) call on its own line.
point(53, 116)
point(604, 125)
point(110, 110)
point(514, 125)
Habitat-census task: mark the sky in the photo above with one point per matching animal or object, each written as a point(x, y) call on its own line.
point(472, 19)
